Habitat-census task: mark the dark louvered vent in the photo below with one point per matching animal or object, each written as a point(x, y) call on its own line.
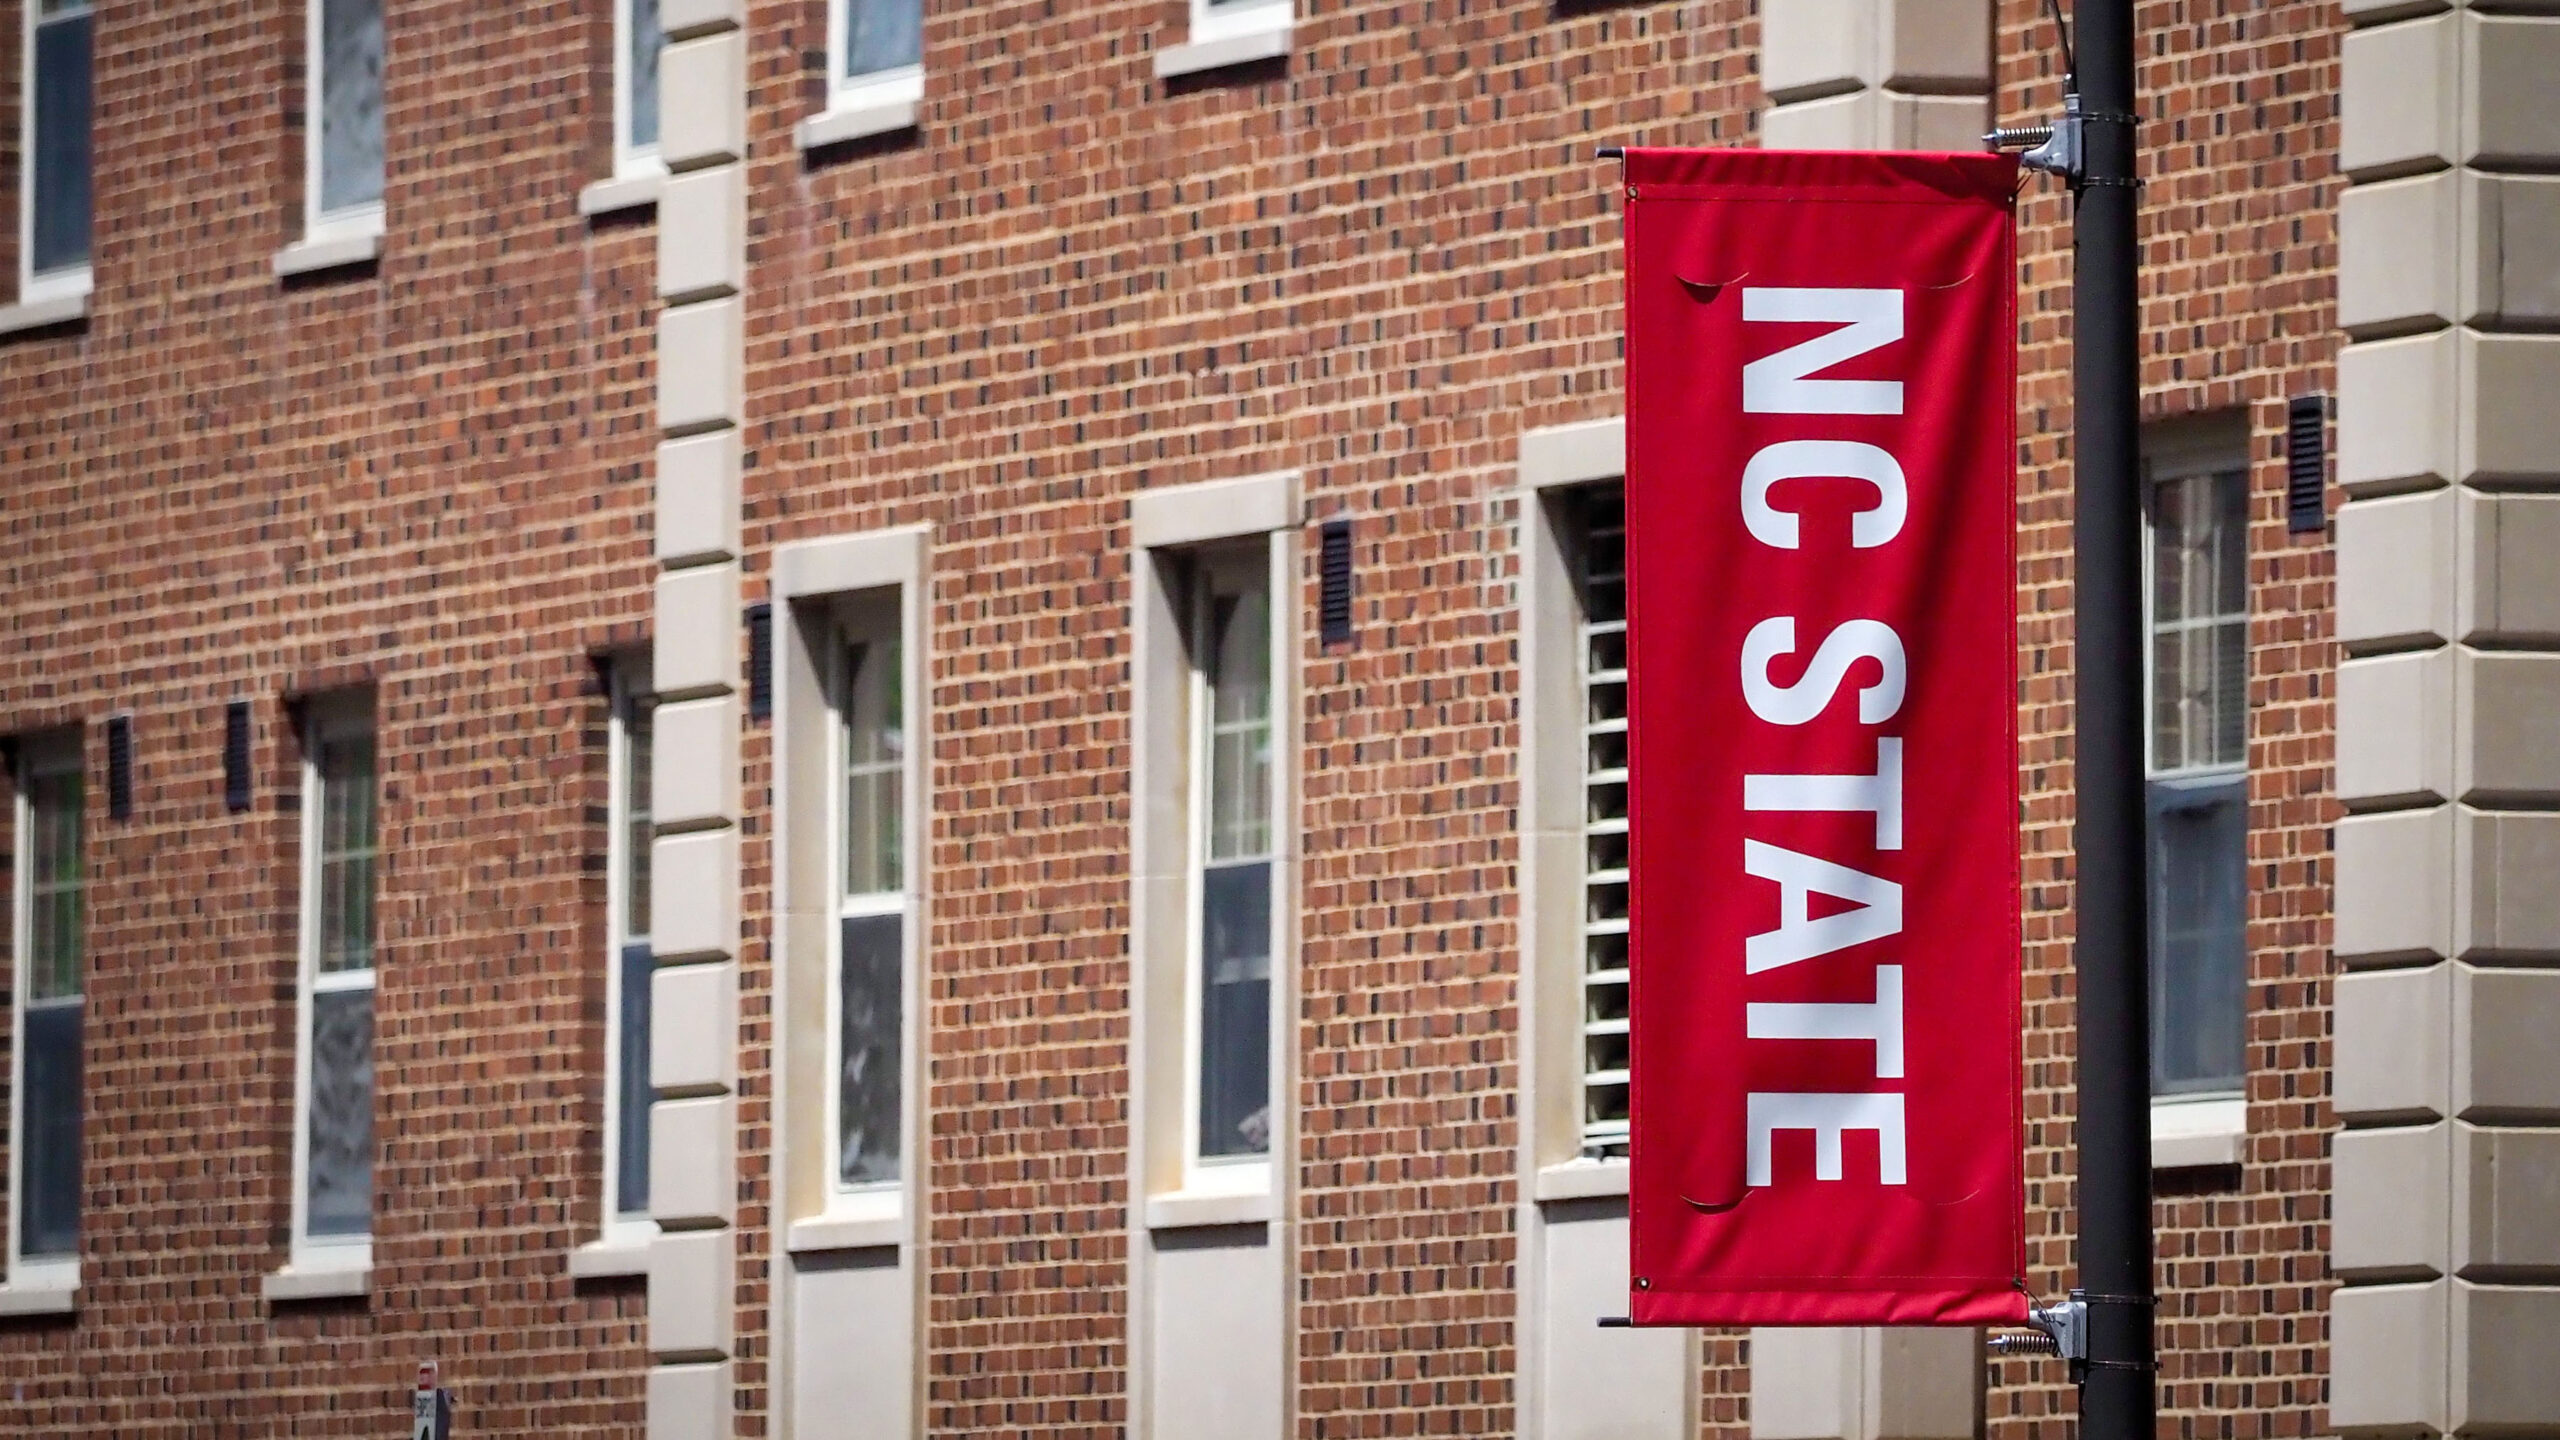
point(759, 661)
point(119, 767)
point(1333, 573)
point(235, 756)
point(2306, 467)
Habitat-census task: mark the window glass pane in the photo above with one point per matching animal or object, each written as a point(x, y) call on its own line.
point(642, 67)
point(59, 223)
point(2199, 620)
point(346, 854)
point(55, 881)
point(639, 734)
point(350, 103)
point(631, 1153)
point(875, 757)
point(49, 1195)
point(868, 1079)
point(1235, 1010)
point(1239, 684)
point(882, 35)
point(339, 1197)
point(2199, 945)
point(1596, 534)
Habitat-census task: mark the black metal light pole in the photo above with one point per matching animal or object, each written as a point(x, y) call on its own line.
point(2118, 1396)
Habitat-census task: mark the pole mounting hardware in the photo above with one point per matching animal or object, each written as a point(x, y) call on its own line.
point(2054, 148)
point(2061, 1328)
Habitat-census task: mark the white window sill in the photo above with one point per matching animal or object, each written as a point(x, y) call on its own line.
point(621, 1254)
point(324, 1275)
point(48, 1292)
point(2197, 1134)
point(1184, 1209)
point(845, 1232)
point(857, 120)
point(1246, 48)
point(315, 253)
point(1581, 1180)
point(45, 310)
point(634, 191)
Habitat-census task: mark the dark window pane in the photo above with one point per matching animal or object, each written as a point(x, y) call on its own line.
point(631, 1181)
point(339, 1200)
point(2199, 945)
point(645, 43)
point(639, 721)
point(60, 163)
point(350, 103)
point(882, 35)
point(49, 1221)
point(868, 1080)
point(1235, 1010)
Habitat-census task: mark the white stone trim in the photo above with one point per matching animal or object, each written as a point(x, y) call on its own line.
point(1215, 510)
point(323, 1273)
point(1244, 48)
point(623, 192)
point(838, 124)
point(329, 250)
point(840, 564)
point(1577, 454)
point(1580, 1180)
point(46, 1296)
point(1184, 1209)
point(2189, 1134)
point(36, 314)
point(612, 1257)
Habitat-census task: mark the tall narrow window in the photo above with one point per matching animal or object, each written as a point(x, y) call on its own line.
point(1597, 541)
point(1232, 858)
point(345, 153)
point(871, 908)
point(336, 1190)
point(629, 958)
point(55, 182)
point(49, 930)
point(879, 52)
point(637, 42)
point(2199, 682)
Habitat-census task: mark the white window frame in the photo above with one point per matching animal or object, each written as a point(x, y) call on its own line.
point(50, 1275)
point(632, 161)
point(627, 688)
point(328, 1254)
point(1239, 18)
point(69, 281)
point(2208, 1127)
point(879, 90)
point(867, 617)
point(353, 222)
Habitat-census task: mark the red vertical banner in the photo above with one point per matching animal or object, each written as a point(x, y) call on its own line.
point(1822, 637)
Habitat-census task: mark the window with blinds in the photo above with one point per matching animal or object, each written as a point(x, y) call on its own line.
point(51, 929)
point(1598, 543)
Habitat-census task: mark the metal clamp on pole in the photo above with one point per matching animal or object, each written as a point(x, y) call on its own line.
point(2060, 1329)
point(2054, 148)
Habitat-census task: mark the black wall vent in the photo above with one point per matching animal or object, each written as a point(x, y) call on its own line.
point(120, 767)
point(1333, 573)
point(235, 756)
point(2306, 464)
point(759, 661)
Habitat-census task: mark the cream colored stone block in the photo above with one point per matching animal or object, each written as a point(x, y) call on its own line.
point(692, 1293)
point(1936, 122)
point(2511, 108)
point(702, 233)
point(1595, 1383)
point(1938, 45)
point(2390, 1191)
point(693, 900)
point(1878, 120)
point(1217, 1367)
point(2508, 867)
point(698, 628)
point(2510, 753)
point(698, 498)
point(693, 1028)
point(684, 19)
point(1865, 1384)
point(2506, 1360)
point(2400, 87)
point(2504, 1021)
point(693, 1160)
point(2396, 414)
point(2397, 250)
point(2395, 886)
point(689, 1402)
point(2387, 1347)
point(701, 359)
point(1841, 122)
point(2393, 1032)
point(2395, 723)
point(2508, 1218)
point(693, 767)
point(1214, 510)
point(702, 101)
point(1810, 48)
point(2511, 428)
point(2515, 262)
point(2513, 595)
point(2397, 562)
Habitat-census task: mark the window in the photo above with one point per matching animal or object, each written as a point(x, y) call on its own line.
point(344, 154)
point(628, 959)
point(1228, 1046)
point(333, 1199)
point(868, 1024)
point(45, 1241)
point(637, 42)
point(878, 47)
point(2199, 686)
point(54, 234)
point(1596, 543)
